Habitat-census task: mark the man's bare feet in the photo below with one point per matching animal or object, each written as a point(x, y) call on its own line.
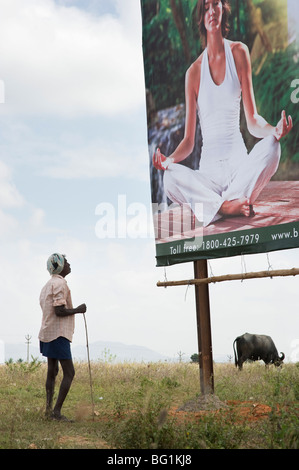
point(240, 206)
point(60, 417)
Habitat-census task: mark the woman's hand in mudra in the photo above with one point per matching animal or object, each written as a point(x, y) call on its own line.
point(160, 162)
point(283, 126)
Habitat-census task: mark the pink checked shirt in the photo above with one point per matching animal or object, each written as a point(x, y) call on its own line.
point(56, 292)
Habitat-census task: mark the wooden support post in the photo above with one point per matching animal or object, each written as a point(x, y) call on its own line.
point(204, 329)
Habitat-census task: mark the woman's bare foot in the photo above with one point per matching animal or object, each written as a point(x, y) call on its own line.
point(240, 206)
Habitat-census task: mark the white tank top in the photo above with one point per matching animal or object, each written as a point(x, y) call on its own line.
point(219, 113)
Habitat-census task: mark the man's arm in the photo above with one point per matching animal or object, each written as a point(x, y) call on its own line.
point(62, 311)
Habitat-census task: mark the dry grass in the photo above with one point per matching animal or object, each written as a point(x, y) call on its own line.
point(136, 407)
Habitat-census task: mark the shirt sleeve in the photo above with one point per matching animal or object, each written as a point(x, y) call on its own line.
point(60, 292)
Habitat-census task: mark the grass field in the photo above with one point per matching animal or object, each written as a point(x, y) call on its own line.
point(136, 408)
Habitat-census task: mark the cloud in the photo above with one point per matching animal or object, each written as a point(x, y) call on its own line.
point(8, 224)
point(9, 195)
point(10, 198)
point(64, 61)
point(16, 214)
point(59, 62)
point(37, 218)
point(97, 159)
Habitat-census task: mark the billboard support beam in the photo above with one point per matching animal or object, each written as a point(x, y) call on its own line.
point(231, 277)
point(201, 283)
point(204, 336)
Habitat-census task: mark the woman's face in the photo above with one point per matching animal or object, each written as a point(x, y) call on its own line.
point(212, 15)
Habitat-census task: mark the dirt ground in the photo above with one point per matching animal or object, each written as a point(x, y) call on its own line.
point(245, 410)
point(193, 410)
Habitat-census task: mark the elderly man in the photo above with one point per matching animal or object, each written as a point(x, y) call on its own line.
point(57, 331)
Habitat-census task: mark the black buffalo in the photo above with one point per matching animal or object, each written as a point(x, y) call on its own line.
point(256, 347)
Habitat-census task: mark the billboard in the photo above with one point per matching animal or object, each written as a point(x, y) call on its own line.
point(222, 89)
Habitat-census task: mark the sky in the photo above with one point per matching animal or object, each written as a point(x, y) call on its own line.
point(73, 143)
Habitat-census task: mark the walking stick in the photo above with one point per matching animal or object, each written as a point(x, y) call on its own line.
point(89, 368)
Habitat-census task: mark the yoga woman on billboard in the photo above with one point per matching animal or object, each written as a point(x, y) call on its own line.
point(229, 179)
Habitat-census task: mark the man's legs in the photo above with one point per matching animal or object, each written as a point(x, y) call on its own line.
point(50, 383)
point(68, 375)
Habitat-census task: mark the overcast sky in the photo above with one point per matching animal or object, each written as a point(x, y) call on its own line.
point(72, 138)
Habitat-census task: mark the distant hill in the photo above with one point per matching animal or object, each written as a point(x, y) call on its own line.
point(99, 350)
point(106, 351)
point(109, 351)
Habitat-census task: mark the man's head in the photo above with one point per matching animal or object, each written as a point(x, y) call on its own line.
point(58, 264)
